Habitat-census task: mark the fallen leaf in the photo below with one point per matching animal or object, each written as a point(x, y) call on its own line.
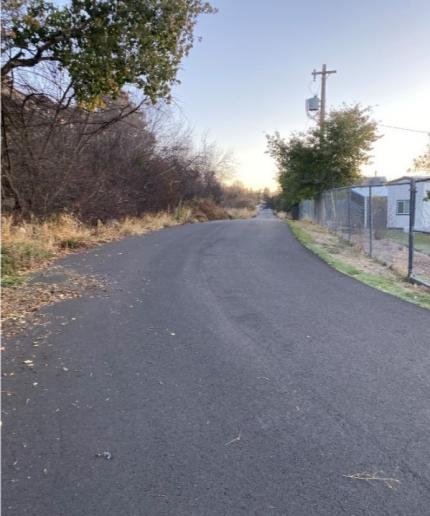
point(105, 455)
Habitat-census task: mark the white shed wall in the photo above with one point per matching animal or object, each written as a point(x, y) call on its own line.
point(397, 193)
point(422, 207)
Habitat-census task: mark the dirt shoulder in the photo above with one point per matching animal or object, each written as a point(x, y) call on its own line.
point(21, 303)
point(350, 261)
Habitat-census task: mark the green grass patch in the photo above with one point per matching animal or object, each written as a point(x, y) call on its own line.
point(18, 256)
point(390, 284)
point(10, 281)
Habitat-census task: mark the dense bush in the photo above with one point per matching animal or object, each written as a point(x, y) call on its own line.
point(109, 163)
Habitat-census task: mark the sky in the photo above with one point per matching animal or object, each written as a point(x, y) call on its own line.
point(251, 72)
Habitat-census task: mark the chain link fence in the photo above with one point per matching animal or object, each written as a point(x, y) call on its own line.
point(389, 221)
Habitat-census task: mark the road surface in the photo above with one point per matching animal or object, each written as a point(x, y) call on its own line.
point(227, 372)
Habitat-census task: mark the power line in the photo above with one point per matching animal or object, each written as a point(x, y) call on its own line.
point(405, 129)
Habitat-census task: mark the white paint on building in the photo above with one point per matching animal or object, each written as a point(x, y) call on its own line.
point(398, 205)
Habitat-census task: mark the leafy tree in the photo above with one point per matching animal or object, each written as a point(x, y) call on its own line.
point(102, 44)
point(320, 159)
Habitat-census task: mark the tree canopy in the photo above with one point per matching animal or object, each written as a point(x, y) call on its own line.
point(103, 44)
point(319, 159)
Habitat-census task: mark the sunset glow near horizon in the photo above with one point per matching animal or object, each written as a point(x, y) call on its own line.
point(250, 75)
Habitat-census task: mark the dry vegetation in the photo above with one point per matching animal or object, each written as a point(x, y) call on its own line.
point(27, 245)
point(351, 261)
point(30, 246)
point(111, 163)
point(75, 176)
point(352, 255)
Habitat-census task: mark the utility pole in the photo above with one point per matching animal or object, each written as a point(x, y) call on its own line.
point(324, 72)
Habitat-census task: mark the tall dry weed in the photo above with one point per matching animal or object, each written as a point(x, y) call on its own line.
point(29, 244)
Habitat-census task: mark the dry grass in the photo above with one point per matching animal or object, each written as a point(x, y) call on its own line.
point(282, 215)
point(241, 213)
point(349, 260)
point(29, 245)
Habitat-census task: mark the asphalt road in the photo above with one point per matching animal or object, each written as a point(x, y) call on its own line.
point(228, 372)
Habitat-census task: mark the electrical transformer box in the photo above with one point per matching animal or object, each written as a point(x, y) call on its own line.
point(313, 104)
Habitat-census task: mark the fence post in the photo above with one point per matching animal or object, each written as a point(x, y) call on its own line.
point(412, 196)
point(349, 214)
point(370, 222)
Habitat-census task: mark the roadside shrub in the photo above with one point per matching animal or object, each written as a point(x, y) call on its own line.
point(206, 209)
